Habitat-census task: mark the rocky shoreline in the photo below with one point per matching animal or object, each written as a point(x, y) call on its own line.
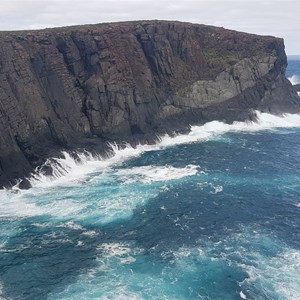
point(79, 87)
point(297, 87)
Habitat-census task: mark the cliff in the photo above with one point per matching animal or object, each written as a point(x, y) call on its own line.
point(297, 87)
point(73, 87)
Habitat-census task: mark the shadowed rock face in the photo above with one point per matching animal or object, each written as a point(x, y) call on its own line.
point(297, 87)
point(79, 86)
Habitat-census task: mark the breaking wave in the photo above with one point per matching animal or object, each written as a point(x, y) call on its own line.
point(215, 220)
point(69, 169)
point(295, 79)
point(88, 172)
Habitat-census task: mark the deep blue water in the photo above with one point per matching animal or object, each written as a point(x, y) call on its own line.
point(213, 219)
point(293, 66)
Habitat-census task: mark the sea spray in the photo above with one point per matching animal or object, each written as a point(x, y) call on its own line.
point(68, 168)
point(213, 217)
point(294, 79)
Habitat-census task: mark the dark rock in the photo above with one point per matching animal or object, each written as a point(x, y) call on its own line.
point(46, 170)
point(78, 87)
point(297, 87)
point(25, 184)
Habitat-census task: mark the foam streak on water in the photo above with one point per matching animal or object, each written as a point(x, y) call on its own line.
point(71, 172)
point(213, 214)
point(68, 169)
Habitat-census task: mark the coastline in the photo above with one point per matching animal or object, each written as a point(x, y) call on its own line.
point(59, 168)
point(80, 87)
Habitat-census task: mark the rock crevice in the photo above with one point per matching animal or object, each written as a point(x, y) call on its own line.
point(70, 87)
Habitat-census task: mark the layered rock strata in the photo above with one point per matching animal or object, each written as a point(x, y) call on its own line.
point(80, 86)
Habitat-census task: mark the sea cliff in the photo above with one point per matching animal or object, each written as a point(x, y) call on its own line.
point(80, 86)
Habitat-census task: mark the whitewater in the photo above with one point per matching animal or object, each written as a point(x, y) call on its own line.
point(212, 214)
point(68, 168)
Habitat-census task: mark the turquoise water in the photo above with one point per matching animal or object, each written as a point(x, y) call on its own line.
point(210, 215)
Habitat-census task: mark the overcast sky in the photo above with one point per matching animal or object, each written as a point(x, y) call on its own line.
point(278, 17)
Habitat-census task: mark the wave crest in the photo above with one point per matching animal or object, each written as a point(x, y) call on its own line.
point(70, 169)
point(294, 79)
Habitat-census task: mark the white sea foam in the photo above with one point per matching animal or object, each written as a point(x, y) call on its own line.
point(277, 276)
point(70, 225)
point(1, 292)
point(295, 79)
point(124, 253)
point(121, 293)
point(112, 277)
point(149, 174)
point(101, 200)
point(13, 205)
point(280, 273)
point(90, 233)
point(218, 189)
point(67, 169)
point(114, 249)
point(215, 128)
point(39, 201)
point(69, 172)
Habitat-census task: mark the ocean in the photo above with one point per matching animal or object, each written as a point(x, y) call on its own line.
point(214, 214)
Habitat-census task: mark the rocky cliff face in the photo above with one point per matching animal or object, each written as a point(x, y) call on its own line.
point(78, 86)
point(297, 87)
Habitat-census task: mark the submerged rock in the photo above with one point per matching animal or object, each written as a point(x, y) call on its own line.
point(69, 87)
